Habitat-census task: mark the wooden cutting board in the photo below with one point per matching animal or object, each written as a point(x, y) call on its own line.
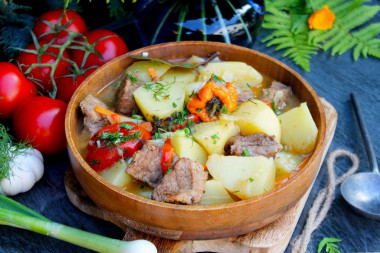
point(272, 238)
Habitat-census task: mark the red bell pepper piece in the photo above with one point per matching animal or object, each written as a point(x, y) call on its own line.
point(115, 142)
point(167, 155)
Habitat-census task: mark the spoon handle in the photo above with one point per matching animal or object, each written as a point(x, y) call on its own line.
point(365, 135)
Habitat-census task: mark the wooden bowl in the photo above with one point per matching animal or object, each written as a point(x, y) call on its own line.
point(184, 222)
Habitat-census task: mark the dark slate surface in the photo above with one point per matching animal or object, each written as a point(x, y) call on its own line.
point(333, 78)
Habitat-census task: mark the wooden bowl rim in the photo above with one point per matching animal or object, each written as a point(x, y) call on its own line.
point(153, 203)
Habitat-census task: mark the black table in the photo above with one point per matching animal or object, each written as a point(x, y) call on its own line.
point(333, 78)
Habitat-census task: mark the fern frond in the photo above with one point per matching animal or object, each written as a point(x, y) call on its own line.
point(288, 19)
point(346, 6)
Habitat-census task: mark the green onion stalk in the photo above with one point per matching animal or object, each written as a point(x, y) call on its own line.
point(16, 215)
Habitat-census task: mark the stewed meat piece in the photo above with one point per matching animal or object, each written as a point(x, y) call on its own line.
point(125, 102)
point(277, 93)
point(93, 121)
point(255, 144)
point(185, 184)
point(245, 96)
point(146, 164)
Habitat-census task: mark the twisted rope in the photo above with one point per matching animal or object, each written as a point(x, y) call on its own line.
point(323, 201)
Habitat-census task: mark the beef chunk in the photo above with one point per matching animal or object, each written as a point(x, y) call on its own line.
point(256, 144)
point(278, 93)
point(245, 96)
point(184, 185)
point(125, 102)
point(93, 121)
point(146, 164)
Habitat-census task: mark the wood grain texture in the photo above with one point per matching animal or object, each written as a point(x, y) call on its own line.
point(182, 222)
point(271, 238)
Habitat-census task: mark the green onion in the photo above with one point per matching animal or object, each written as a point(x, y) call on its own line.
point(217, 79)
point(16, 215)
point(135, 116)
point(214, 137)
point(126, 126)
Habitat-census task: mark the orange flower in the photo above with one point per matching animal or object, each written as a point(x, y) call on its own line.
point(322, 19)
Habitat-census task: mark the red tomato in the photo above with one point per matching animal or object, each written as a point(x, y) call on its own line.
point(108, 48)
point(14, 88)
point(67, 85)
point(114, 142)
point(26, 59)
point(40, 120)
point(77, 25)
point(194, 119)
point(167, 155)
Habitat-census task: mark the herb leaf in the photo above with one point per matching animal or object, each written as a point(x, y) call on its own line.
point(160, 90)
point(329, 243)
point(9, 150)
point(217, 79)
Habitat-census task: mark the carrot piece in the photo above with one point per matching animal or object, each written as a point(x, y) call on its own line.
point(116, 118)
point(103, 111)
point(153, 75)
point(147, 126)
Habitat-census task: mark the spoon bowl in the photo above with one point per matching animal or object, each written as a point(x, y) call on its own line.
point(362, 192)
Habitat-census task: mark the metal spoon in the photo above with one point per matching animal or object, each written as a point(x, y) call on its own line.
point(362, 191)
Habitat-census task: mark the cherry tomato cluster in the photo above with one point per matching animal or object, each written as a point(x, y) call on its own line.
point(62, 55)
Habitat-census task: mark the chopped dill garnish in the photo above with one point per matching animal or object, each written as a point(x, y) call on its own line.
point(95, 161)
point(126, 126)
point(132, 78)
point(250, 100)
point(251, 179)
point(214, 137)
point(274, 108)
point(111, 139)
point(246, 152)
point(249, 86)
point(174, 105)
point(117, 84)
point(217, 79)
point(160, 90)
point(225, 110)
point(135, 116)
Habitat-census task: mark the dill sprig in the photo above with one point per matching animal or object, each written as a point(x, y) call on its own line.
point(9, 149)
point(160, 90)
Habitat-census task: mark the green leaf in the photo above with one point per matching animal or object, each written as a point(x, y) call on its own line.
point(288, 20)
point(329, 243)
point(14, 206)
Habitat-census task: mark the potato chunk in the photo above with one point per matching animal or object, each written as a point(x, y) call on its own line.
point(299, 132)
point(179, 76)
point(255, 116)
point(213, 135)
point(140, 69)
point(215, 194)
point(192, 88)
point(187, 147)
point(244, 177)
point(116, 174)
point(160, 101)
point(286, 162)
point(231, 72)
